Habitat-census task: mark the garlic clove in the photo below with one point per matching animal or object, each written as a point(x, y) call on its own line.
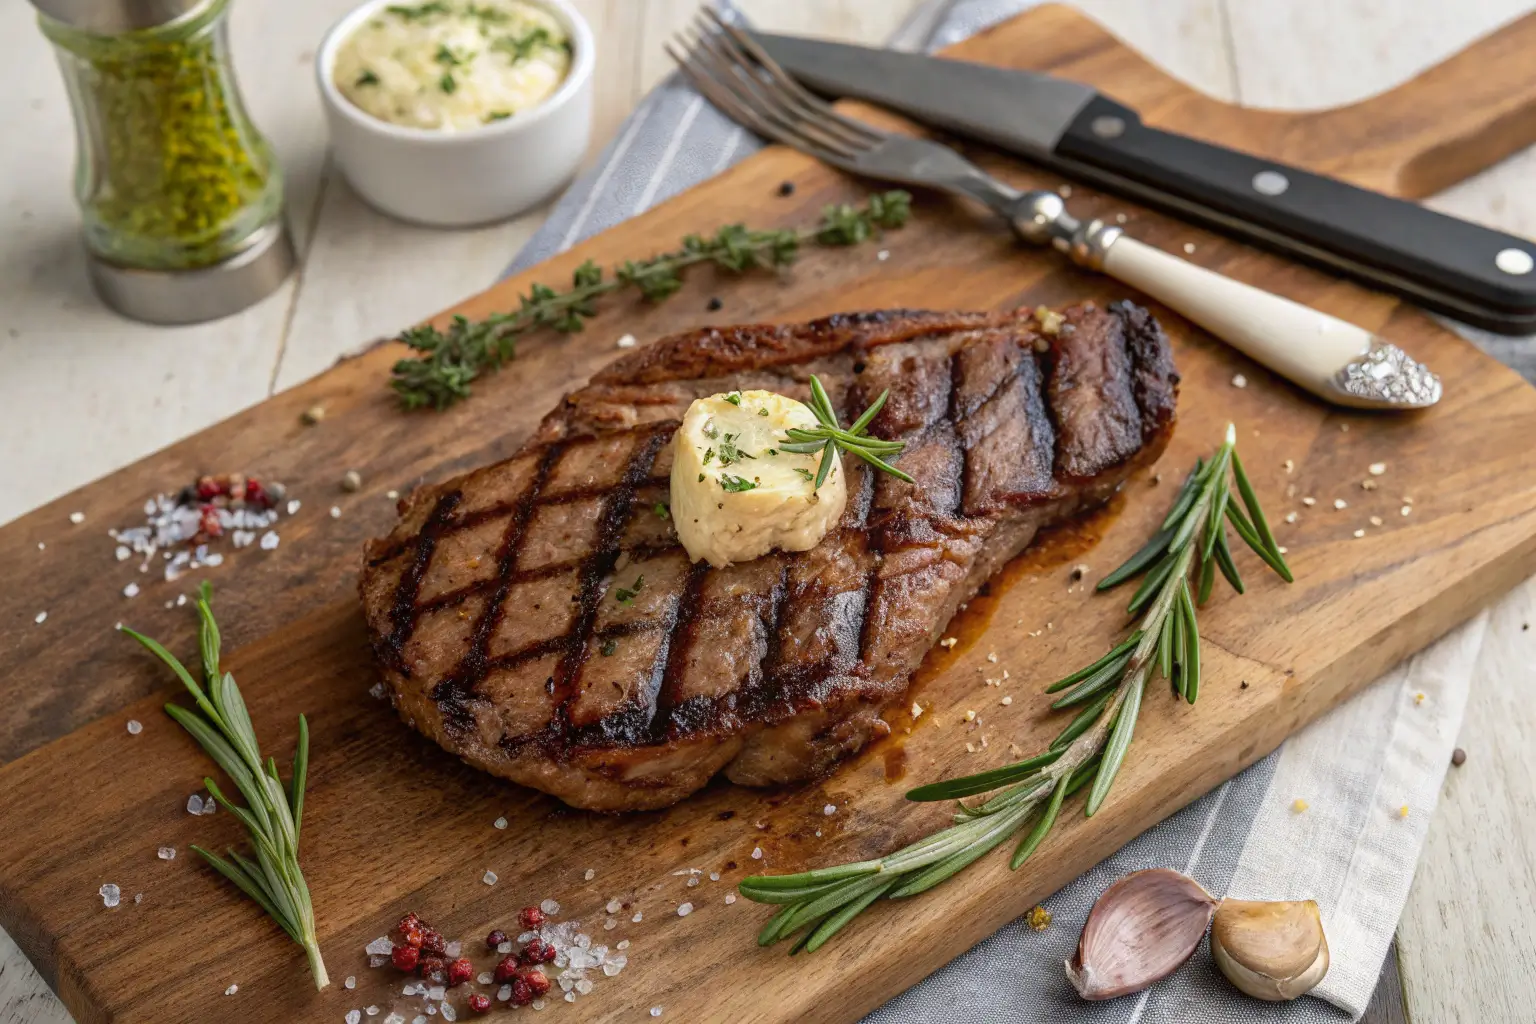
point(1273, 951)
point(1139, 931)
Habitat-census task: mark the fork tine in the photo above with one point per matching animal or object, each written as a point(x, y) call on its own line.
point(806, 99)
point(765, 98)
point(730, 102)
point(737, 90)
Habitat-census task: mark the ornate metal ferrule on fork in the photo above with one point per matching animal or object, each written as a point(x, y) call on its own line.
point(1335, 360)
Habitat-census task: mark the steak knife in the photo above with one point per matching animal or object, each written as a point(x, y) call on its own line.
point(1471, 273)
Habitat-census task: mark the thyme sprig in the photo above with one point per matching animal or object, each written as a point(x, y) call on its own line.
point(450, 360)
point(1191, 544)
point(273, 811)
point(855, 440)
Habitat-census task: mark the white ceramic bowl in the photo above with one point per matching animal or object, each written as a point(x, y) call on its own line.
point(458, 179)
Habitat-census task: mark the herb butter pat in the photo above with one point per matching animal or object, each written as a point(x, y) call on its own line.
point(451, 66)
point(735, 494)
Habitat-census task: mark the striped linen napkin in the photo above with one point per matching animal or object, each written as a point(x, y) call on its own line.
point(1243, 838)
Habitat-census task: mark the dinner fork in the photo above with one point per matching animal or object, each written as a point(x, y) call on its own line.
point(1336, 360)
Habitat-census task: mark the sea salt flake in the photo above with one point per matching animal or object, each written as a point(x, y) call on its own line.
point(40, 618)
point(110, 894)
point(372, 1011)
point(692, 882)
point(714, 876)
point(883, 255)
point(829, 810)
point(537, 1004)
point(489, 878)
point(655, 1011)
point(1376, 468)
point(232, 990)
point(122, 552)
point(589, 874)
point(757, 853)
point(917, 711)
point(1405, 510)
point(1340, 503)
point(335, 511)
point(394, 1018)
point(610, 924)
point(638, 917)
point(623, 944)
point(270, 540)
point(1291, 517)
point(1309, 501)
point(626, 341)
point(614, 906)
point(448, 1012)
point(504, 993)
point(351, 981)
point(1007, 701)
point(138, 897)
point(583, 941)
point(504, 948)
point(131, 590)
point(550, 907)
point(1239, 381)
point(437, 992)
point(730, 898)
point(377, 691)
point(486, 977)
point(453, 949)
point(1359, 533)
point(500, 823)
point(570, 997)
point(194, 804)
point(380, 946)
point(77, 518)
point(354, 1016)
point(166, 853)
point(584, 986)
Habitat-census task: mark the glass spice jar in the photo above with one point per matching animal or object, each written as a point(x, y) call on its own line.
point(181, 195)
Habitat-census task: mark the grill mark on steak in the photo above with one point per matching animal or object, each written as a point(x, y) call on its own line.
point(597, 566)
point(774, 669)
point(452, 693)
point(402, 614)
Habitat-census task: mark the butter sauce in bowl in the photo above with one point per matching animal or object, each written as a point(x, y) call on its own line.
point(454, 113)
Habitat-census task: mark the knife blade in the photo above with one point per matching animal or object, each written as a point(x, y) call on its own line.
point(1471, 273)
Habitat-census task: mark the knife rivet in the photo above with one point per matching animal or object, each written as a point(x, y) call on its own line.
point(1270, 183)
point(1108, 127)
point(1514, 261)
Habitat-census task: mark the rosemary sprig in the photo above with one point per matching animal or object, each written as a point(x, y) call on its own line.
point(273, 811)
point(855, 440)
point(450, 360)
point(1107, 695)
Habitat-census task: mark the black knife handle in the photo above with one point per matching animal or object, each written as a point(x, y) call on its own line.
point(1468, 272)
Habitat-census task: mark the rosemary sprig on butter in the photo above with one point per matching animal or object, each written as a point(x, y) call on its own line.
point(449, 360)
point(1179, 563)
point(273, 811)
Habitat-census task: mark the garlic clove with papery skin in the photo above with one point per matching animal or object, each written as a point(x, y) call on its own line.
point(1273, 951)
point(1139, 931)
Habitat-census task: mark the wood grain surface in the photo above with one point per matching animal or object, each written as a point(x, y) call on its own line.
point(396, 824)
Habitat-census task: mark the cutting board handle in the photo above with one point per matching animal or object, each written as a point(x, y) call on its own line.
point(1449, 122)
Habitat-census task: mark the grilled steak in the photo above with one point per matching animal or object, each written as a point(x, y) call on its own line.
point(492, 607)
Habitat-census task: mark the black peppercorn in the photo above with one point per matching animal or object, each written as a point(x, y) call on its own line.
point(714, 303)
point(786, 188)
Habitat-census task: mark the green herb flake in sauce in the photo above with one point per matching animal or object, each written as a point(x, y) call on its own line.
point(367, 78)
point(661, 510)
point(497, 115)
point(447, 84)
point(734, 398)
point(609, 646)
point(736, 484)
point(419, 12)
point(805, 473)
point(762, 412)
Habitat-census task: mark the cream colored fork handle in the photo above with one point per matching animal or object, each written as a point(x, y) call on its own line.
point(1305, 345)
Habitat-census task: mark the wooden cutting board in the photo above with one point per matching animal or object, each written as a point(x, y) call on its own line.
point(394, 824)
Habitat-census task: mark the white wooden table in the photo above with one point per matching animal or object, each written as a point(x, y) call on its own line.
point(87, 392)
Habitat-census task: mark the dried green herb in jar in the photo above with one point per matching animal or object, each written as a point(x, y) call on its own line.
point(171, 173)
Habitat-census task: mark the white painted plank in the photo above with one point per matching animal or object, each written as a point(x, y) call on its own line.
point(1305, 54)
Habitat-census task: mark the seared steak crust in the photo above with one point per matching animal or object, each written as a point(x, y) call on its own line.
point(493, 602)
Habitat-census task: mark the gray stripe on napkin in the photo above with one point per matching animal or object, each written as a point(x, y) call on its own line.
point(673, 141)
